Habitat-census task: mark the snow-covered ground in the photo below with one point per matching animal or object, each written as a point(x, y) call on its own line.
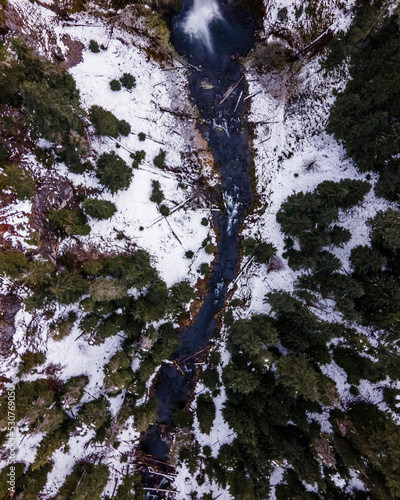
point(292, 153)
point(157, 106)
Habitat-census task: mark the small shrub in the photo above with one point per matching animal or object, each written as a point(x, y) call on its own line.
point(138, 156)
point(124, 128)
point(94, 46)
point(29, 360)
point(157, 196)
point(128, 81)
point(93, 267)
point(210, 249)
point(164, 210)
point(115, 85)
point(189, 254)
point(282, 14)
point(104, 121)
point(12, 263)
point(113, 172)
point(204, 221)
point(63, 326)
point(204, 268)
point(159, 160)
point(4, 152)
point(20, 182)
point(141, 136)
point(99, 209)
point(69, 222)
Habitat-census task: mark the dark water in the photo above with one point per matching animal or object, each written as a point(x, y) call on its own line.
point(234, 35)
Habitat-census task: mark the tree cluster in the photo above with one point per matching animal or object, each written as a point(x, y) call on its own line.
point(365, 116)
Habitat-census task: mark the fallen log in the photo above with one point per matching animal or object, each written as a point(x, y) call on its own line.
point(314, 47)
point(230, 90)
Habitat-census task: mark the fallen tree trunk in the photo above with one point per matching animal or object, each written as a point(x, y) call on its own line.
point(314, 47)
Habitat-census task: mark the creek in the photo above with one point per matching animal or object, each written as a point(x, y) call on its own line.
point(212, 37)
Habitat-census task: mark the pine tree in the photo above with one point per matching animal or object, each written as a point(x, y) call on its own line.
point(86, 481)
point(68, 222)
point(385, 232)
point(104, 122)
point(297, 374)
point(366, 260)
point(20, 182)
point(95, 413)
point(12, 263)
point(205, 412)
point(68, 287)
point(99, 209)
point(128, 81)
point(239, 379)
point(157, 195)
point(113, 172)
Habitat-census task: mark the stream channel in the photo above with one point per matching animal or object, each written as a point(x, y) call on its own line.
point(208, 34)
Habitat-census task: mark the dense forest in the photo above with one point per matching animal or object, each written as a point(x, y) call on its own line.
point(267, 374)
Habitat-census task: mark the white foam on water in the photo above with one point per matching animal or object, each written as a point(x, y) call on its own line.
point(232, 205)
point(198, 20)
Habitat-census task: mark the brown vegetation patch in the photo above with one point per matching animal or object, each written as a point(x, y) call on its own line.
point(74, 52)
point(9, 306)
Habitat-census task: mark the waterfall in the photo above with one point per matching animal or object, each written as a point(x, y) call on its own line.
point(199, 18)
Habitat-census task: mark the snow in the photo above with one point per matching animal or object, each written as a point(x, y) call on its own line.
point(293, 153)
point(166, 239)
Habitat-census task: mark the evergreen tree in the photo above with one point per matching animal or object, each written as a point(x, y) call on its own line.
point(385, 231)
point(128, 81)
point(261, 251)
point(51, 107)
point(124, 128)
point(86, 482)
point(95, 413)
point(99, 209)
point(343, 194)
point(205, 412)
point(366, 260)
point(33, 482)
point(240, 379)
point(181, 294)
point(20, 182)
point(157, 195)
point(159, 160)
point(113, 172)
point(68, 287)
point(366, 114)
point(104, 121)
point(298, 375)
point(12, 263)
point(68, 222)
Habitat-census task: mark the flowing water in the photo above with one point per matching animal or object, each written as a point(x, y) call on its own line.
point(211, 36)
